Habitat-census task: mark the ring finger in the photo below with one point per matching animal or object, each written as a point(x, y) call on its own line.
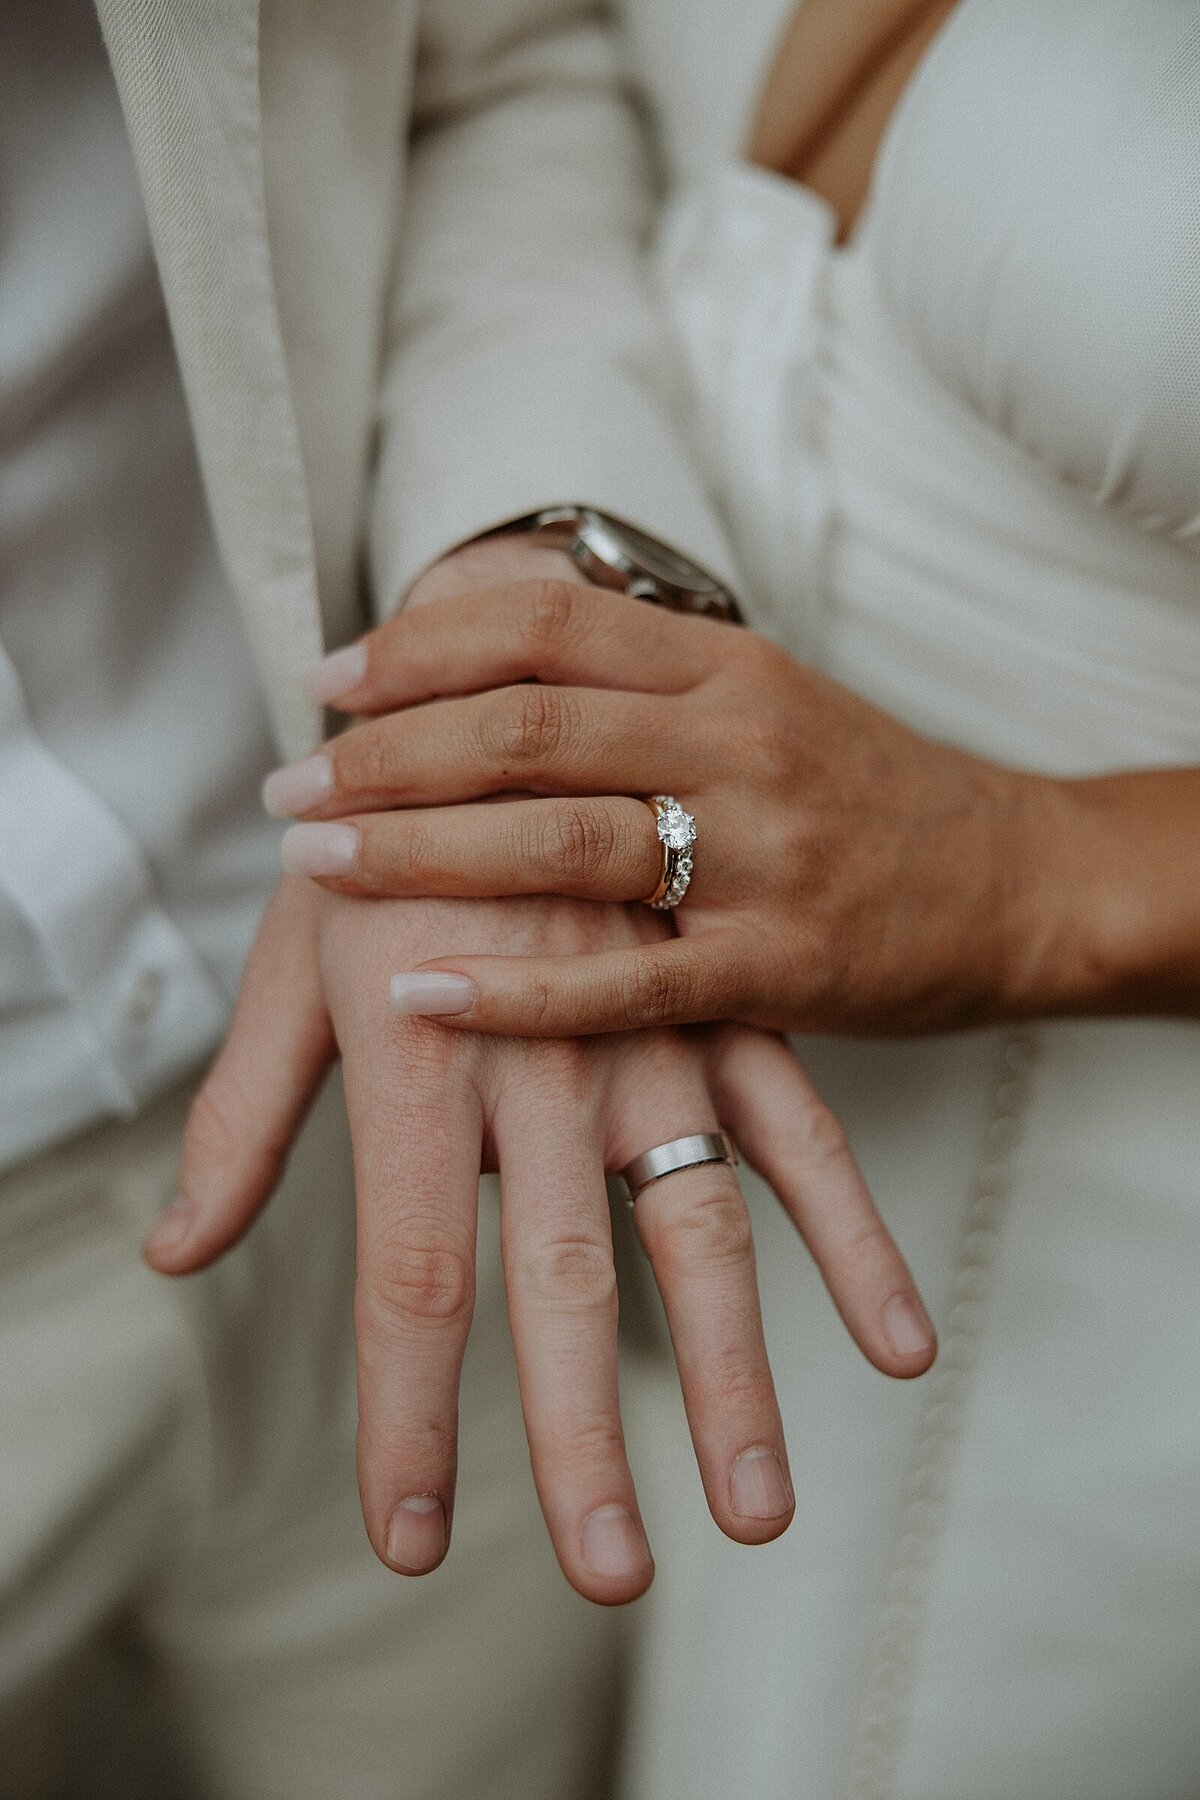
point(562, 1297)
point(695, 1229)
point(592, 849)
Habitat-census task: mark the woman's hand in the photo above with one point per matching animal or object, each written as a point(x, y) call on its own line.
point(850, 875)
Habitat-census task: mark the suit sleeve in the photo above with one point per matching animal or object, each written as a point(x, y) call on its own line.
point(524, 365)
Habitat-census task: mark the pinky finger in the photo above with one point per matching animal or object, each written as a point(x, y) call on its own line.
point(798, 1146)
point(679, 981)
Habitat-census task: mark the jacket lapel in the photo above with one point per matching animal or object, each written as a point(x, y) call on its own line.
point(188, 76)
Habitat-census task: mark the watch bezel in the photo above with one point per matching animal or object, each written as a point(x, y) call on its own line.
point(616, 554)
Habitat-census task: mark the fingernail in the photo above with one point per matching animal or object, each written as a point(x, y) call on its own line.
point(907, 1326)
point(172, 1228)
point(319, 849)
point(614, 1544)
point(416, 1540)
point(336, 674)
point(298, 786)
point(758, 1487)
point(429, 993)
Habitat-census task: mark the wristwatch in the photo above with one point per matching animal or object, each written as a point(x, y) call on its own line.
point(615, 555)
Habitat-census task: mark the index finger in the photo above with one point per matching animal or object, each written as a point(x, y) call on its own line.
point(556, 631)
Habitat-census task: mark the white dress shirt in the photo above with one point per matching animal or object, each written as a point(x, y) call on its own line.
point(134, 857)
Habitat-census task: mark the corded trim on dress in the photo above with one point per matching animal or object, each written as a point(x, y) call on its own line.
point(877, 1733)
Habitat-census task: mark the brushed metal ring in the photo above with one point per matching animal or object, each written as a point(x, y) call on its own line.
point(680, 1153)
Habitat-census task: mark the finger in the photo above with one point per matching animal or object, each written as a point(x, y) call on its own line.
point(679, 981)
point(695, 1229)
point(797, 1145)
point(558, 1262)
point(254, 1098)
point(554, 631)
point(533, 739)
point(604, 849)
point(416, 1130)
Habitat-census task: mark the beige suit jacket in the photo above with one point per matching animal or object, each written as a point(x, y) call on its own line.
point(400, 248)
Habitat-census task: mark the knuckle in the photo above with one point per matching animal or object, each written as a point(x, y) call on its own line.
point(417, 853)
point(549, 615)
point(362, 761)
point(218, 1136)
point(739, 1382)
point(572, 1274)
point(712, 1233)
point(577, 845)
point(532, 725)
point(594, 1441)
point(770, 750)
point(209, 1136)
point(418, 1280)
point(650, 991)
point(822, 1136)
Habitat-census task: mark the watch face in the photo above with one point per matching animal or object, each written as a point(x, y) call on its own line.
point(645, 555)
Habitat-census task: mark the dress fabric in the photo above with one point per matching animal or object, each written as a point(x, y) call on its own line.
point(960, 462)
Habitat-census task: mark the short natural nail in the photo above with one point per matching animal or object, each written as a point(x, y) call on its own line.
point(336, 674)
point(319, 849)
point(429, 993)
point(172, 1229)
point(297, 786)
point(416, 1540)
point(614, 1543)
point(758, 1487)
point(907, 1326)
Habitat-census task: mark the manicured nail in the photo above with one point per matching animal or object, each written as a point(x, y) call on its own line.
point(297, 786)
point(614, 1544)
point(429, 993)
point(338, 673)
point(172, 1229)
point(416, 1540)
point(319, 849)
point(907, 1326)
point(758, 1487)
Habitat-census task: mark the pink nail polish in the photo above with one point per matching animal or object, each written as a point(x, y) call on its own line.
point(338, 673)
point(297, 786)
point(758, 1487)
point(416, 1540)
point(172, 1229)
point(614, 1544)
point(430, 993)
point(907, 1326)
point(319, 849)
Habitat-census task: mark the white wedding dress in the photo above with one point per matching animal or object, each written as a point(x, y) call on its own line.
point(960, 463)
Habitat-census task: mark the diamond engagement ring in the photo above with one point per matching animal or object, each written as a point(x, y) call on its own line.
point(677, 834)
point(681, 1153)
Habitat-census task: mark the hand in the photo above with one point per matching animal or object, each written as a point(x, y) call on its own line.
point(850, 875)
point(426, 1109)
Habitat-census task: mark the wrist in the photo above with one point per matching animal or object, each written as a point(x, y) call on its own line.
point(1106, 913)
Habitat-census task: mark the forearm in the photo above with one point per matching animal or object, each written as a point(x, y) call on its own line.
point(1109, 918)
point(523, 364)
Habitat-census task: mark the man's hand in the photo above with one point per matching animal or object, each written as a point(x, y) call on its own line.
point(428, 1108)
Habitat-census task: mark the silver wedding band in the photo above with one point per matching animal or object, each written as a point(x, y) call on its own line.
point(681, 1153)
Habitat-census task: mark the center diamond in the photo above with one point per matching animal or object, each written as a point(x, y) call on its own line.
point(676, 828)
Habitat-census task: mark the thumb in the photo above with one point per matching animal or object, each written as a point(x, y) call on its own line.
point(254, 1098)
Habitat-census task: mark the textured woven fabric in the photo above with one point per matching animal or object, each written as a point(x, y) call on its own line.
point(399, 247)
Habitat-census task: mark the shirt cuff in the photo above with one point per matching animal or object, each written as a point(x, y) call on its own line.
point(573, 435)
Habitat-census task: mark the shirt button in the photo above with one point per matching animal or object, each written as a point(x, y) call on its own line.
point(144, 999)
